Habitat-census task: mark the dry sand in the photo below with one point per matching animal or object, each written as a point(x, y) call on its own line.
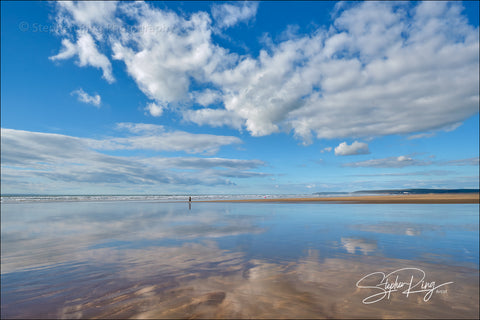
point(408, 198)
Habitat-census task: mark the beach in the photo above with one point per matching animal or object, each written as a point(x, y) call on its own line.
point(385, 199)
point(296, 259)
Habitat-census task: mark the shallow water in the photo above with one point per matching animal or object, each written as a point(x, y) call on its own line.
point(147, 259)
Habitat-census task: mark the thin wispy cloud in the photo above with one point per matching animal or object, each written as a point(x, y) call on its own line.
point(463, 162)
point(390, 162)
point(158, 138)
point(84, 97)
point(405, 174)
point(421, 136)
point(30, 156)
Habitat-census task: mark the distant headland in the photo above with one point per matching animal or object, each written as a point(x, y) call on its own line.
point(416, 191)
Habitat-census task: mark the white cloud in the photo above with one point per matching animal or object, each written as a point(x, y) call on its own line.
point(382, 68)
point(326, 149)
point(88, 55)
point(227, 15)
point(85, 14)
point(69, 50)
point(387, 86)
point(95, 18)
point(390, 162)
point(165, 61)
point(404, 174)
point(157, 138)
point(206, 97)
point(464, 162)
point(343, 149)
point(82, 96)
point(154, 109)
point(206, 163)
point(213, 117)
point(86, 18)
point(140, 127)
point(48, 159)
point(421, 136)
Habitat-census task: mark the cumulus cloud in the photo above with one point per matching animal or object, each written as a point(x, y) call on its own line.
point(374, 82)
point(35, 156)
point(86, 98)
point(227, 15)
point(86, 18)
point(390, 162)
point(381, 68)
point(343, 149)
point(206, 97)
point(176, 52)
point(85, 15)
point(213, 117)
point(154, 109)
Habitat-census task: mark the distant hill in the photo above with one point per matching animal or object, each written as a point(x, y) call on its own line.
point(418, 191)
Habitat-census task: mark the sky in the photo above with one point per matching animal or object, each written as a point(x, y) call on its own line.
point(238, 97)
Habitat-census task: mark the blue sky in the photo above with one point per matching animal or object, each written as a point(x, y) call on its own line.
point(239, 97)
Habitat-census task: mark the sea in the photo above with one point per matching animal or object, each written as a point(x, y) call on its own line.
point(130, 256)
point(164, 197)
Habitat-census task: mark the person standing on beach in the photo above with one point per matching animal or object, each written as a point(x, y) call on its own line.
point(189, 199)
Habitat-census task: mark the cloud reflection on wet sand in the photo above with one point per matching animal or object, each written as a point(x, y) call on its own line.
point(310, 289)
point(157, 261)
point(49, 239)
point(364, 245)
point(203, 281)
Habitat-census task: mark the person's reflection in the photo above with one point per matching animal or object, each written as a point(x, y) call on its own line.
point(189, 203)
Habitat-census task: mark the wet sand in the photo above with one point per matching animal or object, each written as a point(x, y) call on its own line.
point(452, 198)
point(150, 260)
point(184, 283)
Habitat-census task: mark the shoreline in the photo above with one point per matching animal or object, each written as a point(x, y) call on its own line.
point(431, 198)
